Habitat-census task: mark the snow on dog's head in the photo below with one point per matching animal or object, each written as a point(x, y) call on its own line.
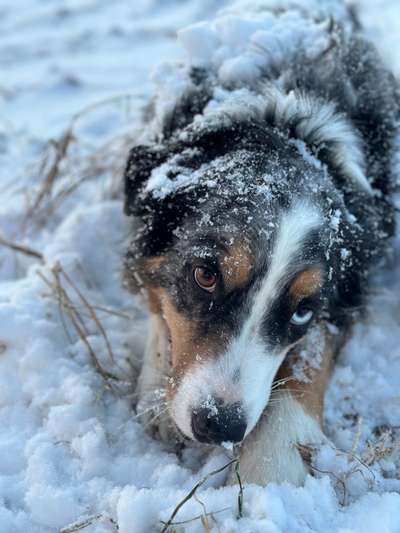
point(237, 241)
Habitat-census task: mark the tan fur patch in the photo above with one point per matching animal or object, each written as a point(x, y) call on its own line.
point(148, 271)
point(236, 266)
point(306, 283)
point(153, 264)
point(142, 274)
point(186, 346)
point(311, 393)
point(153, 300)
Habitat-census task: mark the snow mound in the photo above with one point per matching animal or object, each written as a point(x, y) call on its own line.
point(247, 41)
point(251, 38)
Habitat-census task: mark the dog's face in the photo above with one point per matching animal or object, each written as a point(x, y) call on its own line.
point(239, 284)
point(234, 306)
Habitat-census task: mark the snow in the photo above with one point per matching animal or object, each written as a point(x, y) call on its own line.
point(161, 185)
point(235, 44)
point(71, 447)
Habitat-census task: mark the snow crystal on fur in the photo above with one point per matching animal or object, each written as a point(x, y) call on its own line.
point(246, 52)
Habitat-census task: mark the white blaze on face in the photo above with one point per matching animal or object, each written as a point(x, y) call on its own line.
point(245, 371)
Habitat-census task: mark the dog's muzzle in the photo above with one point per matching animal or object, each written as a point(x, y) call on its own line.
point(219, 423)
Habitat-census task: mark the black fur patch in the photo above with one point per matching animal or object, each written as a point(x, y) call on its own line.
point(351, 75)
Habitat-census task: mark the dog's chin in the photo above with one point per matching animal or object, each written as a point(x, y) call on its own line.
point(254, 421)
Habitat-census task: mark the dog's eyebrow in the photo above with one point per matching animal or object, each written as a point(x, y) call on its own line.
point(306, 282)
point(212, 242)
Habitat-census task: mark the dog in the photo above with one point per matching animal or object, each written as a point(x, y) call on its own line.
point(261, 194)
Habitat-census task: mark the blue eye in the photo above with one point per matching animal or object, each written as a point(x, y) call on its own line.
point(302, 316)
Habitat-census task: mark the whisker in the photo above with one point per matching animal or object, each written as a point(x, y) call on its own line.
point(276, 398)
point(296, 391)
point(158, 390)
point(149, 422)
point(281, 382)
point(149, 409)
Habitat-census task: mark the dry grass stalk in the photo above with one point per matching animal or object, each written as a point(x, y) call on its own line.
point(61, 148)
point(109, 159)
point(240, 495)
point(198, 517)
point(339, 480)
point(204, 517)
point(90, 309)
point(68, 307)
point(192, 493)
point(357, 435)
point(307, 452)
point(20, 248)
point(385, 446)
point(57, 152)
point(125, 98)
point(112, 312)
point(82, 524)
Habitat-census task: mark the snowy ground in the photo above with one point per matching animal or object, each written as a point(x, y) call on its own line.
point(70, 447)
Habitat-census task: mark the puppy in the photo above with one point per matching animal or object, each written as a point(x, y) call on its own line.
point(261, 193)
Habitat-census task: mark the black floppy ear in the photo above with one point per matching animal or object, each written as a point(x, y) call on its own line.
point(142, 160)
point(158, 217)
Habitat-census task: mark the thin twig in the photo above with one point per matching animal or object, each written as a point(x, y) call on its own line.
point(21, 248)
point(198, 517)
point(61, 147)
point(240, 495)
point(91, 311)
point(192, 492)
point(77, 526)
point(114, 312)
point(77, 321)
point(57, 152)
point(338, 479)
point(203, 517)
point(91, 107)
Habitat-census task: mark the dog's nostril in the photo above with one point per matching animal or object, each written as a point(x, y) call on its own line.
point(219, 423)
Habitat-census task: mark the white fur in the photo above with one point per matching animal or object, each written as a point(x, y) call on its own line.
point(312, 120)
point(207, 381)
point(269, 454)
point(248, 355)
point(294, 226)
point(319, 125)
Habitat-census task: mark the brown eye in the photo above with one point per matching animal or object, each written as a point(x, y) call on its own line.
point(205, 278)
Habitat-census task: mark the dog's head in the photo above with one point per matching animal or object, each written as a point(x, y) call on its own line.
point(241, 247)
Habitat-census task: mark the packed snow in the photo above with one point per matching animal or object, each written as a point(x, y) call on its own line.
point(73, 454)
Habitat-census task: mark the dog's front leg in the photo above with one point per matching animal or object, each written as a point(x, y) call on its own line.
point(291, 422)
point(151, 387)
point(271, 452)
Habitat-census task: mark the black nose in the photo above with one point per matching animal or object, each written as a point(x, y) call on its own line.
point(219, 423)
